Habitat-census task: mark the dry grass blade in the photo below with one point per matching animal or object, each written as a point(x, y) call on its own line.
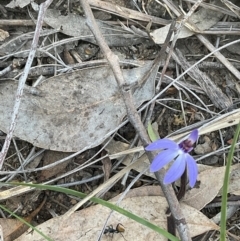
point(205, 41)
point(219, 99)
point(218, 123)
point(235, 9)
point(126, 13)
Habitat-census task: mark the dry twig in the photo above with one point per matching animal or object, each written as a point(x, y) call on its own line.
point(22, 80)
point(135, 120)
point(204, 40)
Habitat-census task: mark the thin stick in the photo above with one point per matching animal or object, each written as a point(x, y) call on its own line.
point(208, 45)
point(126, 12)
point(18, 22)
point(182, 22)
point(22, 80)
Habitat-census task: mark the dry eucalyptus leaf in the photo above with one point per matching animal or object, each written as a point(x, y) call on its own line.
point(75, 25)
point(141, 192)
point(10, 227)
point(49, 158)
point(86, 224)
point(35, 162)
point(203, 19)
point(234, 182)
point(73, 111)
point(211, 181)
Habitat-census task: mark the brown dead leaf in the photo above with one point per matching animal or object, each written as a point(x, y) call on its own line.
point(87, 224)
point(230, 141)
point(49, 158)
point(107, 166)
point(211, 181)
point(8, 226)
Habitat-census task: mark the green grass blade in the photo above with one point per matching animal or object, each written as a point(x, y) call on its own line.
point(28, 224)
point(225, 186)
point(104, 203)
point(151, 133)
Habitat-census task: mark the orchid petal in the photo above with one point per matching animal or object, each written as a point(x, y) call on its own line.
point(193, 136)
point(162, 144)
point(162, 159)
point(192, 170)
point(176, 170)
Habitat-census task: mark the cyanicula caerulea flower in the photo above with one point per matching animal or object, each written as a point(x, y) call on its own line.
point(178, 153)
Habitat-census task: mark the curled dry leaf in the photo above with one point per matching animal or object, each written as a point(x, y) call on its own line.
point(87, 224)
point(73, 111)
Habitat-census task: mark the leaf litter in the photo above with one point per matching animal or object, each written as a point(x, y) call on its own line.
point(72, 111)
point(79, 109)
point(62, 229)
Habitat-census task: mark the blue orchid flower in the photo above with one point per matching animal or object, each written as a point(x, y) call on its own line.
point(178, 153)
